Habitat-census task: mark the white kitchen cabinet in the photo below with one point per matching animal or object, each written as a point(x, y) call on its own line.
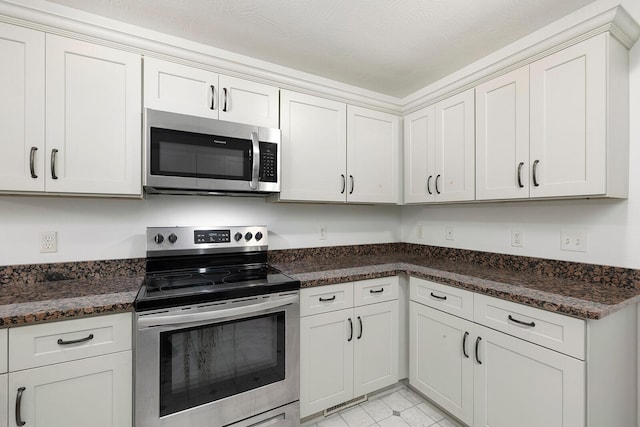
point(178, 88)
point(502, 137)
point(65, 373)
point(4, 387)
point(350, 352)
point(439, 151)
point(332, 152)
point(372, 156)
point(579, 120)
point(21, 109)
point(93, 120)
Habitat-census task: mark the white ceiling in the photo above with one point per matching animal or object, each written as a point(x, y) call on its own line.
point(390, 46)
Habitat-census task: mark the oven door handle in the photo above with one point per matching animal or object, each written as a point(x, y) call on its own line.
point(256, 161)
point(164, 319)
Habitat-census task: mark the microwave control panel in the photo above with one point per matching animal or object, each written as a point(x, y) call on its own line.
point(268, 162)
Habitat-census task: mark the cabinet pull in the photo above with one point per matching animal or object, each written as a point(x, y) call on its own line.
point(18, 404)
point(437, 180)
point(535, 173)
point(444, 298)
point(226, 97)
point(377, 291)
point(32, 162)
point(520, 322)
point(520, 165)
point(327, 299)
point(213, 97)
point(344, 184)
point(350, 330)
point(464, 345)
point(429, 185)
point(53, 163)
point(360, 321)
point(352, 184)
point(63, 342)
point(477, 350)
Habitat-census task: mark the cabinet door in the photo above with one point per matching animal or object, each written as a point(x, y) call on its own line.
point(455, 142)
point(243, 101)
point(419, 156)
point(314, 158)
point(180, 89)
point(375, 362)
point(326, 360)
point(93, 118)
point(523, 384)
point(502, 137)
point(372, 156)
point(4, 400)
point(21, 109)
point(97, 392)
point(440, 347)
point(568, 121)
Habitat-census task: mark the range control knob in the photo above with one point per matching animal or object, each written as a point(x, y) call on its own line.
point(258, 236)
point(248, 236)
point(158, 238)
point(173, 238)
point(237, 236)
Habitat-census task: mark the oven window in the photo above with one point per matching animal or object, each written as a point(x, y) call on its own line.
point(208, 363)
point(187, 154)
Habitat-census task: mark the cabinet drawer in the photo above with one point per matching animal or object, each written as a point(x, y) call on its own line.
point(555, 331)
point(375, 290)
point(4, 351)
point(323, 299)
point(446, 298)
point(39, 345)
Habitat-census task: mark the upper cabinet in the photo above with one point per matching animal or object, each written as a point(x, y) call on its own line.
point(187, 90)
point(557, 127)
point(90, 110)
point(439, 151)
point(332, 152)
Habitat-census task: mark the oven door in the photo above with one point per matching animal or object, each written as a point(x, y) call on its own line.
point(217, 363)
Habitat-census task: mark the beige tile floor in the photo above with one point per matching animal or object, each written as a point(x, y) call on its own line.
point(400, 407)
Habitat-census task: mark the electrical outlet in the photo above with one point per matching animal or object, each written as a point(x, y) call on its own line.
point(573, 240)
point(448, 233)
point(323, 232)
point(419, 232)
point(517, 238)
point(48, 241)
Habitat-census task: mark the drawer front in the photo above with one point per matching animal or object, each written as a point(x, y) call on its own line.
point(442, 297)
point(4, 351)
point(375, 290)
point(555, 331)
point(49, 343)
point(323, 299)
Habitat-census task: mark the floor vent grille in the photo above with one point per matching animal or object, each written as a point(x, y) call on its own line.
point(344, 405)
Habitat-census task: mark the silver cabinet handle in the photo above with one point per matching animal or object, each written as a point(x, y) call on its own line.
point(344, 184)
point(226, 97)
point(32, 162)
point(437, 180)
point(53, 163)
point(18, 404)
point(213, 97)
point(352, 184)
point(535, 173)
point(429, 185)
point(520, 165)
point(256, 161)
point(78, 341)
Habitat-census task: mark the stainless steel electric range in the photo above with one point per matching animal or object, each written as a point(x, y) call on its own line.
point(217, 332)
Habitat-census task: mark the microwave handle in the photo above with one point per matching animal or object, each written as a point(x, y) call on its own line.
point(256, 161)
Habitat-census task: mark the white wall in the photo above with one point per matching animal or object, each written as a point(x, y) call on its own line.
point(613, 227)
point(94, 229)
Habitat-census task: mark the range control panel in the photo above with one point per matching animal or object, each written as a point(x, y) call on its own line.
point(205, 239)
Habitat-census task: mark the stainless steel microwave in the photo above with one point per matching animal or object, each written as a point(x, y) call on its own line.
point(195, 155)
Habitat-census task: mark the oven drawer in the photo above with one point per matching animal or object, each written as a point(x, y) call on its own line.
point(49, 343)
point(323, 299)
point(375, 290)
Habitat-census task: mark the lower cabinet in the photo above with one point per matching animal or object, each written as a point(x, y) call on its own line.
point(348, 352)
point(4, 401)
